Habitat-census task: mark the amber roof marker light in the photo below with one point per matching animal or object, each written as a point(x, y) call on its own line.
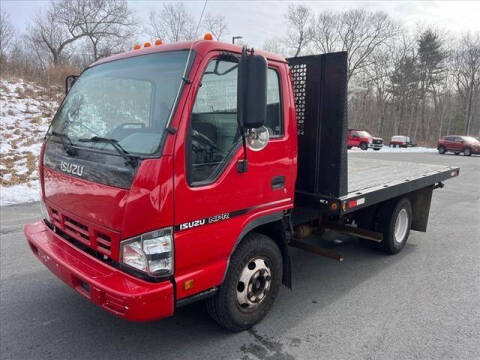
point(208, 36)
point(158, 42)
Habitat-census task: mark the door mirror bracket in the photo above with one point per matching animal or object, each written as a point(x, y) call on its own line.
point(251, 97)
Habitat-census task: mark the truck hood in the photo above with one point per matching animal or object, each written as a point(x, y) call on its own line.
point(92, 202)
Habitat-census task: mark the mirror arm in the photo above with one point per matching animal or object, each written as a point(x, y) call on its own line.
point(242, 165)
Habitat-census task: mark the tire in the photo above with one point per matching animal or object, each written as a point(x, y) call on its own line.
point(376, 149)
point(456, 153)
point(441, 150)
point(467, 152)
point(234, 307)
point(364, 146)
point(349, 147)
point(396, 227)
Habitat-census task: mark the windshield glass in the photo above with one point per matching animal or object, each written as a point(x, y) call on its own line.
point(363, 134)
point(471, 139)
point(127, 100)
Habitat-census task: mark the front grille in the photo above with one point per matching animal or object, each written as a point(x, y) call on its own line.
point(101, 240)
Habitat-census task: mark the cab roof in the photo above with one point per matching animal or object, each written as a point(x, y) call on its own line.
point(201, 47)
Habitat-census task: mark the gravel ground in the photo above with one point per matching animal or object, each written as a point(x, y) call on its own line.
point(421, 304)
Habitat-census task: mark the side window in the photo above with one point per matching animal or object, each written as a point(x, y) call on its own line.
point(213, 125)
point(274, 121)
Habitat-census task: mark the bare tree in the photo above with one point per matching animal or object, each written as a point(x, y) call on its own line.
point(106, 23)
point(6, 34)
point(326, 32)
point(467, 68)
point(357, 31)
point(275, 45)
point(53, 35)
point(299, 32)
point(102, 22)
point(173, 23)
point(216, 24)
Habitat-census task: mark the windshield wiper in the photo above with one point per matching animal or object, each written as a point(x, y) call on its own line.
point(69, 148)
point(131, 160)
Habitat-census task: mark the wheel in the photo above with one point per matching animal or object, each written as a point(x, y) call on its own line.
point(376, 149)
point(396, 228)
point(467, 152)
point(364, 146)
point(251, 285)
point(441, 150)
point(349, 147)
point(456, 153)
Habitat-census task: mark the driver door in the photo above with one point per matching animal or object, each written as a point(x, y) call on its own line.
point(213, 199)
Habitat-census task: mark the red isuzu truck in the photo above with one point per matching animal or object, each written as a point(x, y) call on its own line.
point(185, 172)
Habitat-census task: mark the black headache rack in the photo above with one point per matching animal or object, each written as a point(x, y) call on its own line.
point(326, 182)
point(320, 87)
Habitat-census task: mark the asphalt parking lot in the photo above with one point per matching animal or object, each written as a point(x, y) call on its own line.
point(421, 304)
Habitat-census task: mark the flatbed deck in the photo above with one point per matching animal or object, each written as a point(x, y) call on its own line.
point(371, 181)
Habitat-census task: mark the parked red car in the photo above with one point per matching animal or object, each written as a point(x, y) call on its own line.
point(363, 140)
point(457, 144)
point(401, 141)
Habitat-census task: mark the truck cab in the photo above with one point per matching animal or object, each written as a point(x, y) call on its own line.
point(176, 173)
point(169, 166)
point(363, 140)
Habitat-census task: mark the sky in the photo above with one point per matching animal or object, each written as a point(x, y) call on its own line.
point(257, 21)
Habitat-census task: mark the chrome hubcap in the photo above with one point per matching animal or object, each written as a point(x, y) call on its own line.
point(254, 283)
point(401, 226)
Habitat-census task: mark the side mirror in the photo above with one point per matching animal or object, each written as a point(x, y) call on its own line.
point(252, 91)
point(69, 81)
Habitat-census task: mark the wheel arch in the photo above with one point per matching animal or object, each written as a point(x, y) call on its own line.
point(276, 226)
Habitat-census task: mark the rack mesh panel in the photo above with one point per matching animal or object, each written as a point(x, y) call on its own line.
point(320, 86)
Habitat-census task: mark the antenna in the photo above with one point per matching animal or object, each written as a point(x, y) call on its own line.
point(184, 79)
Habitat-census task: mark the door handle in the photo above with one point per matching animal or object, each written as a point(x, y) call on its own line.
point(278, 182)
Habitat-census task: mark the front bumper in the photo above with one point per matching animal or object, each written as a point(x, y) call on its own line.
point(111, 289)
point(375, 146)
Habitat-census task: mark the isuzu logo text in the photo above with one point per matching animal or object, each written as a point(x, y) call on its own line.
point(205, 221)
point(70, 168)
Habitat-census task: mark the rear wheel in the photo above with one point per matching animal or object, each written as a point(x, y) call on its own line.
point(396, 228)
point(441, 150)
point(251, 285)
point(364, 146)
point(467, 152)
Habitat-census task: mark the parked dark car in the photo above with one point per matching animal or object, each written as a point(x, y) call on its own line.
point(457, 144)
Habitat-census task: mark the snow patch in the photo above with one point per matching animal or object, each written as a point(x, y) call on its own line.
point(26, 110)
point(21, 193)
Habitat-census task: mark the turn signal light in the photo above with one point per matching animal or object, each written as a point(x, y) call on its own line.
point(208, 36)
point(158, 42)
point(147, 44)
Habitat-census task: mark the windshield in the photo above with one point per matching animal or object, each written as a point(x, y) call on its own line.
point(363, 134)
point(471, 140)
point(127, 100)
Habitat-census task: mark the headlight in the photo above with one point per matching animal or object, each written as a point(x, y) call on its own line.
point(44, 212)
point(151, 252)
